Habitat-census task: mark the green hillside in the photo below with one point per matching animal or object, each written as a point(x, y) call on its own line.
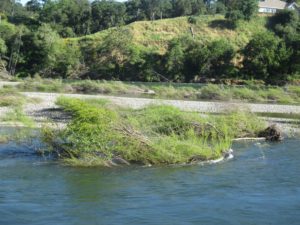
point(155, 36)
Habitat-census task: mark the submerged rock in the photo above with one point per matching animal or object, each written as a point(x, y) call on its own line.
point(272, 133)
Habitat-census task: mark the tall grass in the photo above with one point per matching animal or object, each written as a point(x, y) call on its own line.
point(10, 97)
point(157, 134)
point(18, 116)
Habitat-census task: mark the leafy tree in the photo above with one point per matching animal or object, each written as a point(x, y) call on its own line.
point(42, 50)
point(68, 13)
point(134, 11)
point(34, 5)
point(107, 14)
point(175, 61)
point(294, 61)
point(222, 53)
point(150, 7)
point(266, 57)
point(3, 47)
point(187, 59)
point(46, 54)
point(3, 50)
point(164, 9)
point(198, 7)
point(7, 30)
point(182, 7)
point(209, 60)
point(285, 23)
point(116, 56)
point(241, 9)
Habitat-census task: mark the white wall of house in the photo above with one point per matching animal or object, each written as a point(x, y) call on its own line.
point(267, 10)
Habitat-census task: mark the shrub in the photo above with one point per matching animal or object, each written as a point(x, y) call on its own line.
point(214, 92)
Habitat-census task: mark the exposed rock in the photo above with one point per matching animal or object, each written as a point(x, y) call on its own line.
point(228, 154)
point(272, 133)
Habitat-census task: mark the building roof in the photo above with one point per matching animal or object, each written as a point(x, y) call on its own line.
point(274, 4)
point(293, 4)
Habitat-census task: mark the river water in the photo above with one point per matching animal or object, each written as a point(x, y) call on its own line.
point(261, 185)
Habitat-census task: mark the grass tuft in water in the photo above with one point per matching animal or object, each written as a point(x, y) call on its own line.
point(98, 133)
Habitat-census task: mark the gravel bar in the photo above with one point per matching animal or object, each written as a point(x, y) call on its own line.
point(48, 101)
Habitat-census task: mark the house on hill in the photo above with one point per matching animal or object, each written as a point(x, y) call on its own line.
point(272, 6)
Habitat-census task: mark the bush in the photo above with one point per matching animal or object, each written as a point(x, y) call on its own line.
point(246, 94)
point(214, 92)
point(192, 20)
point(271, 64)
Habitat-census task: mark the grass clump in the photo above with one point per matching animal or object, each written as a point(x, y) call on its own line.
point(164, 120)
point(241, 124)
point(38, 84)
point(246, 94)
point(214, 92)
point(99, 133)
point(18, 116)
point(10, 97)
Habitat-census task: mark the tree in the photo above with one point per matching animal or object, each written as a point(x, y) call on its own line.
point(67, 13)
point(15, 50)
point(48, 55)
point(175, 61)
point(164, 8)
point(266, 57)
point(107, 14)
point(134, 11)
point(34, 5)
point(294, 61)
point(222, 53)
point(117, 57)
point(241, 10)
point(285, 23)
point(3, 48)
point(182, 7)
point(213, 60)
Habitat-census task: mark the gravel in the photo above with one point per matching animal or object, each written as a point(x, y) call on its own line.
point(46, 110)
point(136, 103)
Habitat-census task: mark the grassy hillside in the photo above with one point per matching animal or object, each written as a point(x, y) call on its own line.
point(155, 36)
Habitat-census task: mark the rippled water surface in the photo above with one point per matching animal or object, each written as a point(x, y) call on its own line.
point(261, 185)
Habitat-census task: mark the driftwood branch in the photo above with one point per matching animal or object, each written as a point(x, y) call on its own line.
point(129, 131)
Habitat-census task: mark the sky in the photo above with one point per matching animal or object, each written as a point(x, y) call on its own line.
point(24, 1)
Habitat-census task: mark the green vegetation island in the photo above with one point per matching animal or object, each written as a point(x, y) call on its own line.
point(148, 82)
